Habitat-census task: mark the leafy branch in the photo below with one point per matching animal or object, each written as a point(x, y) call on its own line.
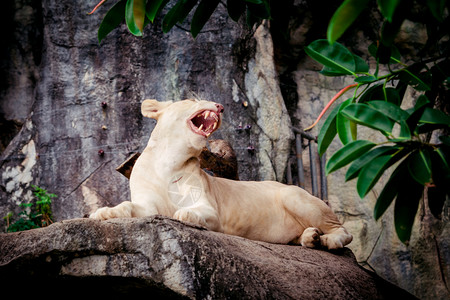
point(139, 13)
point(419, 166)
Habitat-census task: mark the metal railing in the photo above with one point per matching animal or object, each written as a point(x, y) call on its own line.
point(318, 177)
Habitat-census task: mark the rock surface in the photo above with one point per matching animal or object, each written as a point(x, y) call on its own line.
point(161, 257)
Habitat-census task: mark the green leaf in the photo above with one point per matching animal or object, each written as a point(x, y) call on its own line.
point(365, 79)
point(177, 14)
point(135, 16)
point(390, 190)
point(251, 19)
point(420, 82)
point(414, 117)
point(406, 206)
point(437, 8)
point(392, 95)
point(112, 20)
point(361, 66)
point(261, 10)
point(327, 131)
point(335, 57)
point(372, 93)
point(367, 158)
point(154, 7)
point(387, 8)
point(404, 131)
point(389, 32)
point(390, 110)
point(445, 139)
point(419, 166)
point(347, 154)
point(434, 116)
point(421, 101)
point(331, 72)
point(379, 92)
point(438, 193)
point(344, 126)
point(344, 16)
point(202, 14)
point(443, 154)
point(236, 9)
point(365, 115)
point(394, 53)
point(371, 173)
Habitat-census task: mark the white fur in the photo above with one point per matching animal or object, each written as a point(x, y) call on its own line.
point(266, 211)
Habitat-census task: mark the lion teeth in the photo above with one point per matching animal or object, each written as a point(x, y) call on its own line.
point(215, 117)
point(215, 125)
point(200, 128)
point(208, 134)
point(206, 114)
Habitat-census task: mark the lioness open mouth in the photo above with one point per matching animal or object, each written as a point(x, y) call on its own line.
point(204, 122)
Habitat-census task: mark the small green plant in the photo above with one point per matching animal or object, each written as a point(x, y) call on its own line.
point(33, 215)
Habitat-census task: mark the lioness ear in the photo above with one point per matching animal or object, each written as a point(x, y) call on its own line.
point(151, 108)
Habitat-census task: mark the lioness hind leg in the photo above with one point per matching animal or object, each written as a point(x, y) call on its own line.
point(336, 239)
point(123, 210)
point(313, 212)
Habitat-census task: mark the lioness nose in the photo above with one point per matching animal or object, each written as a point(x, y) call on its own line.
point(219, 108)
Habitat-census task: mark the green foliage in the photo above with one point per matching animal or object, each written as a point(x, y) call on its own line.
point(33, 215)
point(344, 17)
point(418, 166)
point(139, 13)
point(337, 59)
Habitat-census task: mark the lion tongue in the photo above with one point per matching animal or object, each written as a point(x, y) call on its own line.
point(206, 122)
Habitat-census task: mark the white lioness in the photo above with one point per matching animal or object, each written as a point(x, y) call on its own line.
point(167, 180)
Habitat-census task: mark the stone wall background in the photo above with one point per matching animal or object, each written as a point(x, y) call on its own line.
point(54, 77)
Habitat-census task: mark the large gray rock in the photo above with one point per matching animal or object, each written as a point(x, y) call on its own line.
point(161, 257)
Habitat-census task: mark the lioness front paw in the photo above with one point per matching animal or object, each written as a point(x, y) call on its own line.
point(187, 215)
point(101, 214)
point(120, 211)
point(310, 237)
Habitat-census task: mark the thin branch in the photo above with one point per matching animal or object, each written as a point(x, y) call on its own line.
point(339, 94)
point(97, 6)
